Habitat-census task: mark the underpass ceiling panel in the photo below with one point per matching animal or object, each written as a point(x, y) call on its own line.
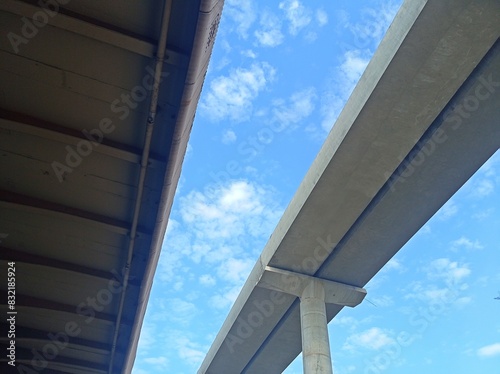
point(134, 17)
point(74, 247)
point(82, 55)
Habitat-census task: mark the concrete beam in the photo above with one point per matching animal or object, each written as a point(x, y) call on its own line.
point(296, 284)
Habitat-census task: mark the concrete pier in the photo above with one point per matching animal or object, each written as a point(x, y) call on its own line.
point(315, 344)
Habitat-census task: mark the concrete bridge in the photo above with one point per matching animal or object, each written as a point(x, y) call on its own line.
point(423, 118)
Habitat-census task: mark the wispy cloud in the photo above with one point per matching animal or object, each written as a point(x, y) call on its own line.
point(250, 53)
point(297, 15)
point(220, 228)
point(269, 34)
point(344, 80)
point(483, 188)
point(293, 111)
point(243, 13)
point(448, 210)
point(228, 137)
point(450, 271)
point(231, 96)
point(374, 338)
point(180, 311)
point(394, 264)
point(187, 350)
point(321, 17)
point(235, 270)
point(147, 339)
point(489, 350)
point(371, 29)
point(466, 243)
point(383, 301)
point(159, 363)
point(207, 280)
point(444, 279)
point(224, 297)
point(367, 35)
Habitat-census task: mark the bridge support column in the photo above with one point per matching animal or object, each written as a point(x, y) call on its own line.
point(314, 294)
point(315, 344)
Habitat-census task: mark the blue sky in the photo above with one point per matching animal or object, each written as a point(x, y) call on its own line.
point(280, 73)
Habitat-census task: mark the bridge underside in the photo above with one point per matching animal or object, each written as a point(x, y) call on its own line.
point(97, 100)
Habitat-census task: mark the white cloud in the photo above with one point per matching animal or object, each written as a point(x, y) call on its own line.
point(341, 85)
point(345, 321)
point(367, 35)
point(207, 280)
point(489, 350)
point(170, 267)
point(225, 298)
point(243, 13)
point(481, 215)
point(353, 66)
point(269, 35)
point(231, 96)
point(235, 270)
point(222, 228)
point(228, 211)
point(394, 264)
point(187, 350)
point(139, 371)
point(448, 210)
point(466, 243)
point(445, 280)
point(383, 301)
point(249, 53)
point(449, 271)
point(299, 106)
point(228, 137)
point(297, 14)
point(426, 229)
point(369, 32)
point(483, 188)
point(489, 167)
point(311, 36)
point(181, 311)
point(160, 362)
point(462, 301)
point(350, 322)
point(321, 17)
point(147, 338)
point(373, 339)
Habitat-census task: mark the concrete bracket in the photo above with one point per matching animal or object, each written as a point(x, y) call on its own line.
point(301, 285)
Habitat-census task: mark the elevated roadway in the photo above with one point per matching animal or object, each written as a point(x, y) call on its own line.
point(422, 119)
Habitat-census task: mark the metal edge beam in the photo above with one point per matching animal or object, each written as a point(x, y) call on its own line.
point(191, 92)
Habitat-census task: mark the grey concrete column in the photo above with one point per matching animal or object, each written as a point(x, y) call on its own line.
point(315, 344)
point(314, 294)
